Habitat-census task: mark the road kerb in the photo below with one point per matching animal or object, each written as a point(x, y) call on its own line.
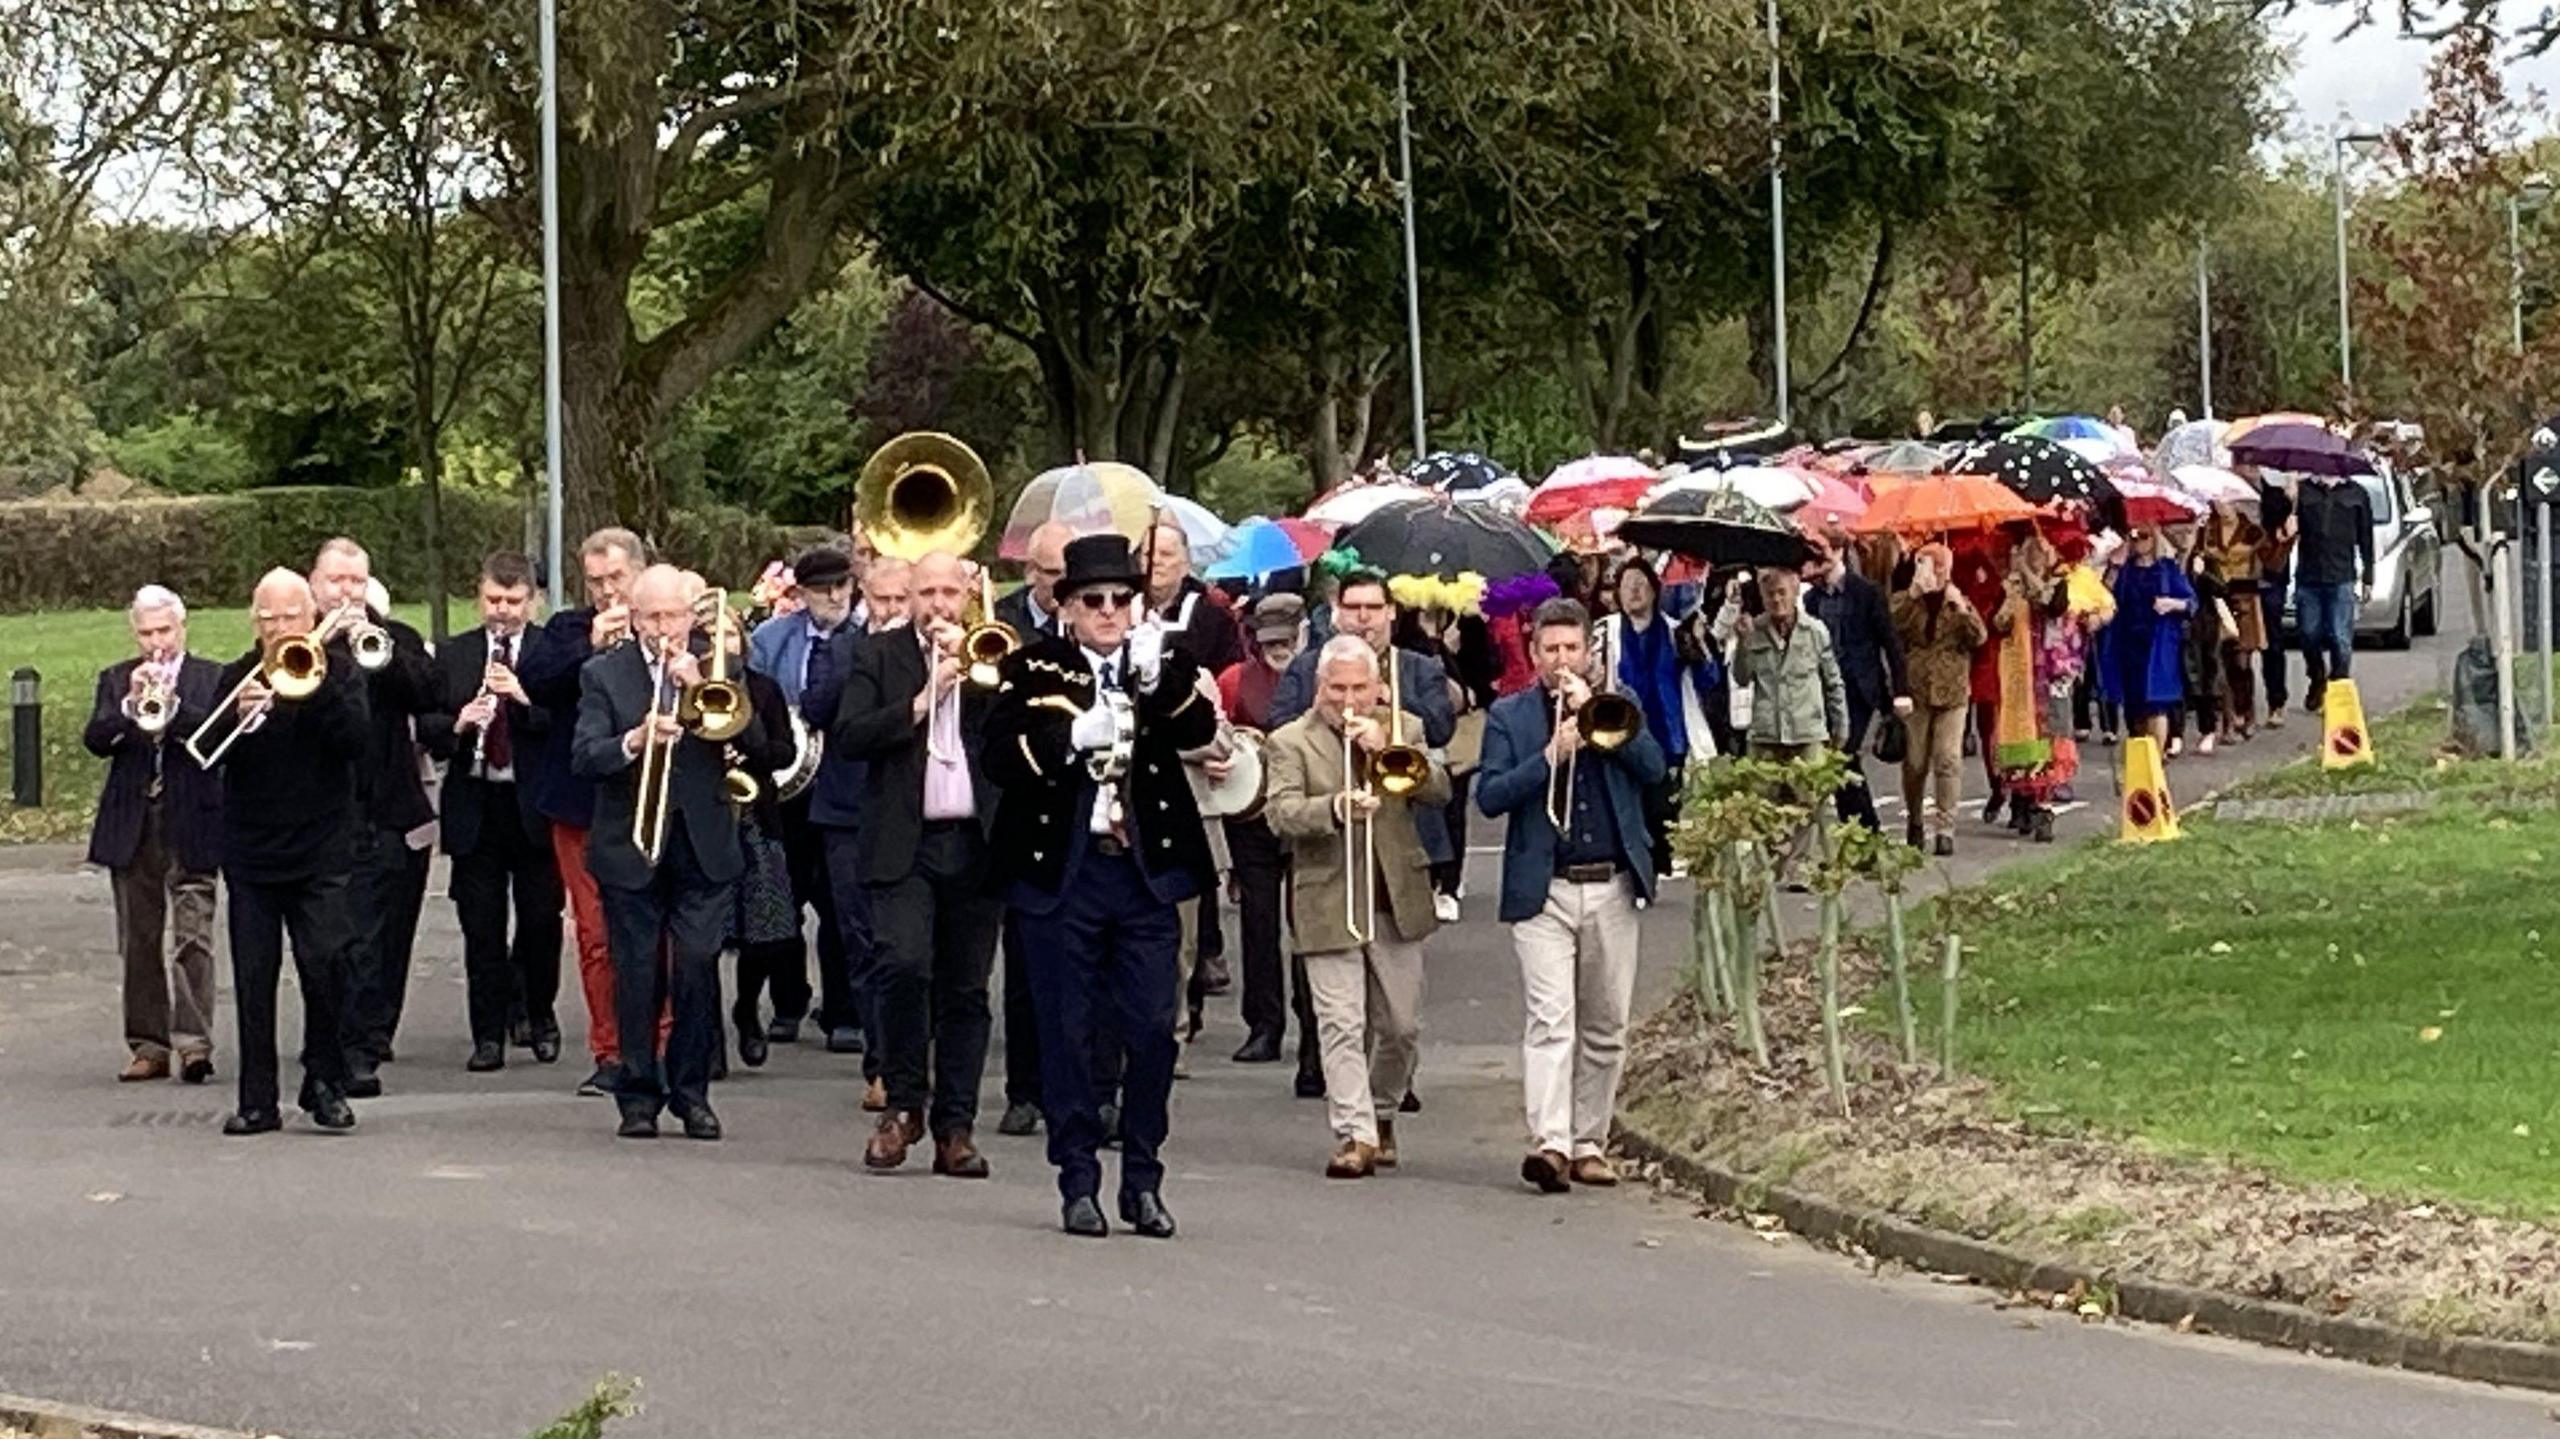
point(44, 1419)
point(2263, 1321)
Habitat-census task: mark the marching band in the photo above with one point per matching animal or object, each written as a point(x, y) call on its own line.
point(1072, 773)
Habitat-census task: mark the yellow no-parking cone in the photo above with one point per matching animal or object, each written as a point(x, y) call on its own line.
point(2344, 740)
point(2148, 816)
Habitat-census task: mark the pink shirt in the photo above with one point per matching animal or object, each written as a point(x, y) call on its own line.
point(946, 763)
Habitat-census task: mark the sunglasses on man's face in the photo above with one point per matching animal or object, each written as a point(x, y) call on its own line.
point(1106, 599)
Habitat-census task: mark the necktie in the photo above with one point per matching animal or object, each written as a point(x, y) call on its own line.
point(499, 752)
point(821, 667)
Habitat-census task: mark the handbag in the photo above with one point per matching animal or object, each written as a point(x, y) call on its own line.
point(1893, 740)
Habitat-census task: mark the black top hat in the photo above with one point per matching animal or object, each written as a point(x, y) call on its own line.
point(1103, 559)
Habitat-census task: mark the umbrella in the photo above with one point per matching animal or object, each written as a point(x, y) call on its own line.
point(1834, 503)
point(2239, 429)
point(1718, 526)
point(1088, 498)
point(2041, 471)
point(2197, 442)
point(1762, 485)
point(1436, 538)
point(1614, 480)
point(1940, 503)
point(1357, 500)
point(1468, 478)
point(2303, 449)
point(2148, 502)
point(1259, 548)
point(1729, 442)
point(1206, 534)
point(1906, 457)
point(2102, 438)
point(1956, 432)
point(2212, 484)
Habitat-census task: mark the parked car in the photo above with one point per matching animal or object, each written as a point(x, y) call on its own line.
point(2408, 564)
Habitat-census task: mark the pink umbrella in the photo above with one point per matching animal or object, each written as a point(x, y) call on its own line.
point(1612, 481)
point(1835, 502)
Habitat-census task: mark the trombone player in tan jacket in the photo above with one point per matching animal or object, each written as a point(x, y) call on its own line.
point(1346, 783)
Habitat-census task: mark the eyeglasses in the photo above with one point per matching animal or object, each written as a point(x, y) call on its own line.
point(1106, 599)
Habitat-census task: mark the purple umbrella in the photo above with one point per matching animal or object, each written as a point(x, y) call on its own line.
point(2302, 450)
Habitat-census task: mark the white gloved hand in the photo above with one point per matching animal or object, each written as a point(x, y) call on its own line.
point(1146, 653)
point(1093, 729)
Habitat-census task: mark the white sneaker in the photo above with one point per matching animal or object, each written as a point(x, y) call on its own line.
point(1446, 907)
point(1182, 1061)
point(2204, 746)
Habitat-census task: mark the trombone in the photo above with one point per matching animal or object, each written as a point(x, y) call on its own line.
point(292, 667)
point(657, 768)
point(714, 708)
point(1400, 768)
point(1359, 843)
point(1607, 720)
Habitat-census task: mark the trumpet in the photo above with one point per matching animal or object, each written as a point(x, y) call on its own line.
point(157, 705)
point(1400, 768)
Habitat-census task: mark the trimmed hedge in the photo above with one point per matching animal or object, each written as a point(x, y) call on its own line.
point(82, 554)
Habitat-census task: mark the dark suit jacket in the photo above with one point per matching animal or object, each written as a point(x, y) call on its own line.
point(1864, 640)
point(550, 672)
point(613, 699)
point(876, 725)
point(289, 786)
point(1015, 609)
point(1209, 633)
point(190, 799)
point(1042, 820)
point(467, 799)
point(1512, 784)
point(390, 789)
point(836, 797)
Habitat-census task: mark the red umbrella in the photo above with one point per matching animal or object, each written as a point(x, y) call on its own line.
point(1601, 482)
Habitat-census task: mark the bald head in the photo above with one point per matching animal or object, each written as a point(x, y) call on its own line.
point(661, 601)
point(1046, 561)
point(281, 605)
point(941, 588)
point(1169, 554)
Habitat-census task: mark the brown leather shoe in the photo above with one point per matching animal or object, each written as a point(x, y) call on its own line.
point(1595, 1171)
point(1353, 1160)
point(957, 1155)
point(889, 1141)
point(1545, 1168)
point(876, 1098)
point(144, 1066)
point(1386, 1144)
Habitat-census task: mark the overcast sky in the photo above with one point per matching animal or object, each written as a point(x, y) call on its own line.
point(2378, 77)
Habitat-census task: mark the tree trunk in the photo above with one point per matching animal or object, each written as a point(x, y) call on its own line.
point(431, 469)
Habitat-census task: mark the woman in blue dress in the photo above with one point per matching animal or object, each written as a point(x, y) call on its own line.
point(2142, 651)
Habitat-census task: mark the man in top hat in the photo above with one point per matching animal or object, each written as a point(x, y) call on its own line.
point(1098, 863)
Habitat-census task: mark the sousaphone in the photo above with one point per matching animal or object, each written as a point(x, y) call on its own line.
point(925, 493)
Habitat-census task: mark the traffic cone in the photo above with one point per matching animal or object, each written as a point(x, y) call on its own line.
point(2148, 815)
point(2344, 741)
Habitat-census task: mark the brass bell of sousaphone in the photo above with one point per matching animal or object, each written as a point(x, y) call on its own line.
point(925, 493)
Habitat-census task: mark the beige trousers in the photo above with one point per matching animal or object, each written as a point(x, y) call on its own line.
point(1578, 976)
point(1368, 1004)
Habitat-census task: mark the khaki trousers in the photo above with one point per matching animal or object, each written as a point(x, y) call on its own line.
point(1935, 758)
point(1368, 1004)
point(1578, 976)
point(155, 898)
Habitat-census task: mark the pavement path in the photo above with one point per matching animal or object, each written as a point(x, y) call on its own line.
point(483, 1249)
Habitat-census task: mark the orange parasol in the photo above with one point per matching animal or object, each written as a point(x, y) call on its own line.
point(1940, 503)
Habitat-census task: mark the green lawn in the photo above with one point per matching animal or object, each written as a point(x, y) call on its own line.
point(2370, 1002)
point(68, 648)
point(2406, 747)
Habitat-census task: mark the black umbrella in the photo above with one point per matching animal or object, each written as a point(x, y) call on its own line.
point(2040, 471)
point(1467, 476)
point(1718, 526)
point(2302, 450)
point(1437, 538)
point(1989, 427)
point(1727, 443)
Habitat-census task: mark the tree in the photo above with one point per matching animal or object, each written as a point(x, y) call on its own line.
point(45, 239)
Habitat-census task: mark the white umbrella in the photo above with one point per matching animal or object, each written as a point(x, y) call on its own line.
point(1350, 504)
point(1762, 485)
point(2197, 442)
point(2212, 483)
point(1206, 534)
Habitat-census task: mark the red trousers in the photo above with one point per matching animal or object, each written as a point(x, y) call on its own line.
point(595, 957)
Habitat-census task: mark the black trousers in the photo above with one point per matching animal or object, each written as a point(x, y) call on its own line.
point(847, 997)
point(314, 912)
point(786, 977)
point(506, 980)
point(1021, 1026)
point(935, 935)
point(387, 890)
point(1106, 962)
point(1856, 799)
point(1448, 874)
point(1261, 867)
point(690, 914)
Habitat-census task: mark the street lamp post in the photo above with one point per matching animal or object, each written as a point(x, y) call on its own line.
point(549, 21)
point(2340, 142)
point(2204, 328)
point(1778, 223)
point(2529, 197)
point(1412, 275)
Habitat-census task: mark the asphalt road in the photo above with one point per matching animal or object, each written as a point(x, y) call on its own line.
point(483, 1249)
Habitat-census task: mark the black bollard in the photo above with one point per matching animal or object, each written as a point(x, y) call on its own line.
point(26, 738)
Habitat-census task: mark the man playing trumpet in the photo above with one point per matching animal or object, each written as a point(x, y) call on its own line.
point(1362, 902)
point(159, 837)
point(627, 709)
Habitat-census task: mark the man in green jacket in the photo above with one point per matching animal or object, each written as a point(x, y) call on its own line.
point(1785, 655)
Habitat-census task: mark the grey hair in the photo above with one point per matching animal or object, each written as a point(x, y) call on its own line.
point(1347, 649)
point(341, 545)
point(614, 537)
point(156, 597)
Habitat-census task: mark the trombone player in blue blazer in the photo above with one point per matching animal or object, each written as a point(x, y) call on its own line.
point(1577, 868)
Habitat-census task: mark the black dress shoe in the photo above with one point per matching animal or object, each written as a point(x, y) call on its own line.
point(253, 1121)
point(328, 1109)
point(364, 1083)
point(1146, 1215)
point(1311, 1084)
point(782, 1031)
point(638, 1124)
point(1019, 1119)
point(1260, 1047)
point(196, 1069)
point(700, 1123)
point(486, 1056)
point(598, 1083)
point(753, 1046)
point(847, 1040)
point(546, 1044)
point(1411, 1103)
point(520, 1034)
point(1083, 1218)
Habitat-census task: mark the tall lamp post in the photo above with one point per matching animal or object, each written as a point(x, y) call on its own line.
point(1412, 272)
point(2341, 141)
point(2204, 328)
point(1778, 222)
point(549, 21)
point(2529, 197)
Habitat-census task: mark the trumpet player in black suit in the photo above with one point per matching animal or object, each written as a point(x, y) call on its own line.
point(911, 713)
point(678, 896)
point(1097, 840)
point(292, 726)
point(486, 729)
point(159, 837)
